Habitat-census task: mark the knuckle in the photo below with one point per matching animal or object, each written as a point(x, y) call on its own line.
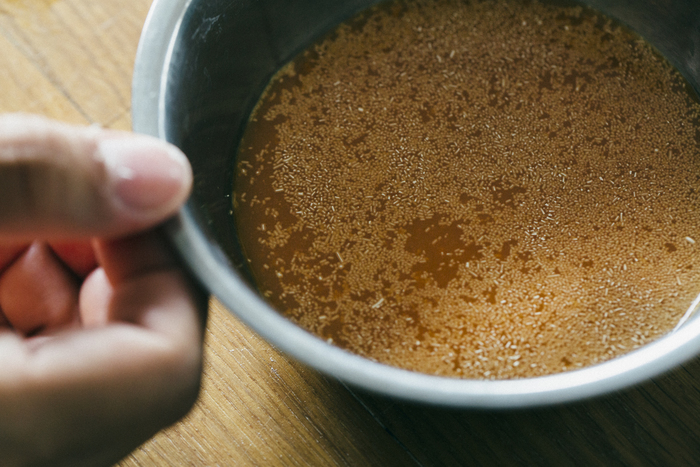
point(47, 171)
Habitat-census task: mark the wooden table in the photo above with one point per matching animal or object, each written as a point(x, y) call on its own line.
point(72, 60)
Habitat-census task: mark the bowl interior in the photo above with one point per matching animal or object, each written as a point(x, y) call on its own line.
point(224, 55)
point(200, 70)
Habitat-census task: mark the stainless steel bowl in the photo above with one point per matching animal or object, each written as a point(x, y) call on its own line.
point(200, 68)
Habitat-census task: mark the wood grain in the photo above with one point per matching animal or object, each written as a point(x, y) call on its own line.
point(84, 49)
point(654, 424)
point(72, 60)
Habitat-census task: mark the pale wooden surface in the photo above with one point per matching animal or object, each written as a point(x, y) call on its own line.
point(72, 60)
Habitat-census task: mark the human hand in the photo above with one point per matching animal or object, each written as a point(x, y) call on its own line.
point(100, 331)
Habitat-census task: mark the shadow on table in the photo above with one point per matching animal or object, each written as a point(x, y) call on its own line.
point(656, 423)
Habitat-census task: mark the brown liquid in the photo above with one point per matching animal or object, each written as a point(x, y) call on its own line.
point(485, 190)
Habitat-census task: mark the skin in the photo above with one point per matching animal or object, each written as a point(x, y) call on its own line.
point(100, 330)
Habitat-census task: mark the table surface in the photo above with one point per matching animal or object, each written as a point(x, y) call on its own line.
point(73, 60)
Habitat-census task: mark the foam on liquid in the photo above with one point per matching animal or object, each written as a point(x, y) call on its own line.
point(487, 190)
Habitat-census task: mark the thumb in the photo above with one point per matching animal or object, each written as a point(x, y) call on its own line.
point(58, 180)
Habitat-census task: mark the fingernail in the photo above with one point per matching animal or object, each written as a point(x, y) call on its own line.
point(146, 174)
